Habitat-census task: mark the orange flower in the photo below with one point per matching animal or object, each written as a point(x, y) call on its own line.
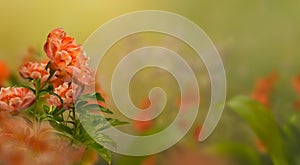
point(151, 160)
point(260, 146)
point(16, 99)
point(35, 71)
point(297, 104)
point(197, 131)
point(21, 144)
point(264, 87)
point(184, 155)
point(81, 72)
point(66, 93)
point(68, 58)
point(296, 83)
point(141, 126)
point(4, 74)
point(61, 49)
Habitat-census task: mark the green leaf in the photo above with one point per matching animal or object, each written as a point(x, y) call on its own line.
point(60, 99)
point(116, 122)
point(47, 66)
point(103, 152)
point(59, 111)
point(291, 134)
point(61, 128)
point(25, 86)
point(102, 138)
point(80, 104)
point(93, 96)
point(50, 88)
point(245, 154)
point(263, 124)
point(96, 107)
point(43, 93)
point(37, 83)
point(111, 123)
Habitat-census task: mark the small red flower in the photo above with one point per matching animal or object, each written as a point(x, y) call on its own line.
point(263, 88)
point(16, 99)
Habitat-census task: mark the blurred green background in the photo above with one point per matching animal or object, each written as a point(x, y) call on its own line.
point(260, 33)
point(254, 38)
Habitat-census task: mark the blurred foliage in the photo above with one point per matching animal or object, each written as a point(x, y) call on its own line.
point(264, 125)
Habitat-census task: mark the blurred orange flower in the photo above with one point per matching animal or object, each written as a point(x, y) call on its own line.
point(142, 126)
point(264, 87)
point(4, 73)
point(23, 145)
point(296, 83)
point(197, 131)
point(151, 160)
point(183, 155)
point(16, 98)
point(262, 91)
point(260, 146)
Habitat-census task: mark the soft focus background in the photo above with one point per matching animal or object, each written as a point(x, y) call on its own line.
point(254, 39)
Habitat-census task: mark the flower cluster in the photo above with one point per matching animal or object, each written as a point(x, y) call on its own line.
point(69, 64)
point(52, 91)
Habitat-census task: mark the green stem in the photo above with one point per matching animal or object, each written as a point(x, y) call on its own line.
point(37, 95)
point(48, 79)
point(75, 120)
point(84, 156)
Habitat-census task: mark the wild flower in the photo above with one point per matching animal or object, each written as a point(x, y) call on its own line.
point(61, 49)
point(35, 70)
point(15, 99)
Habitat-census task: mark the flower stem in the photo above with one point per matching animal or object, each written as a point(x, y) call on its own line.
point(48, 79)
point(84, 156)
point(37, 93)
